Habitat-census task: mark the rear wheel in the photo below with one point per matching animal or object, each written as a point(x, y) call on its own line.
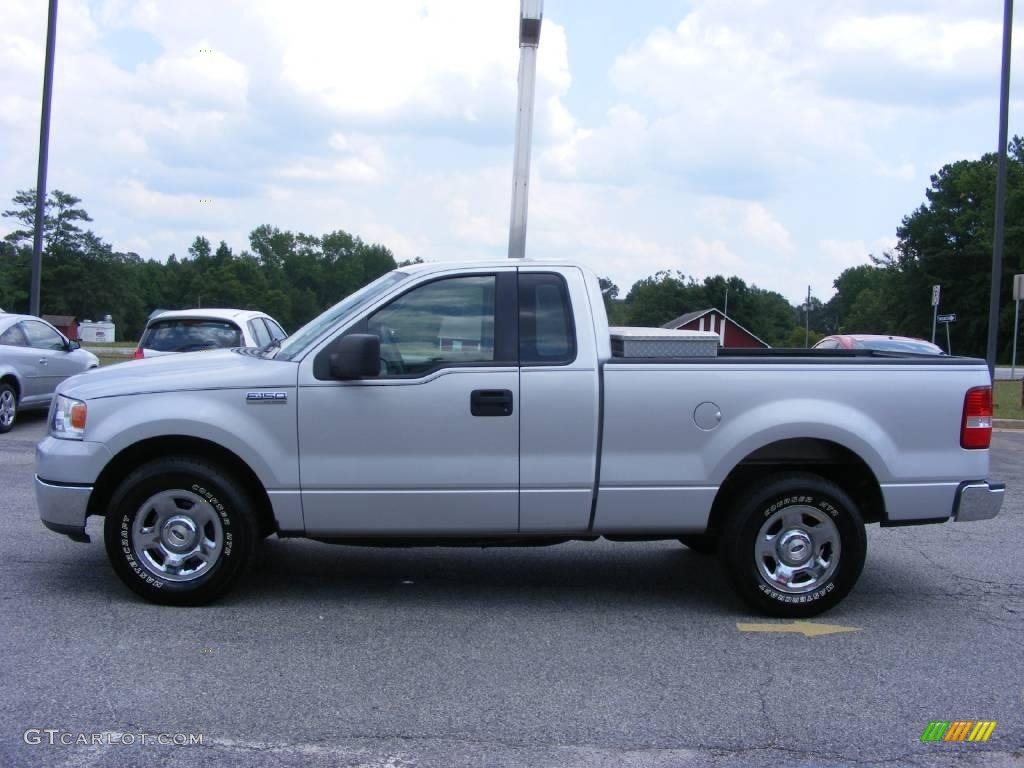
point(795, 547)
point(8, 407)
point(179, 531)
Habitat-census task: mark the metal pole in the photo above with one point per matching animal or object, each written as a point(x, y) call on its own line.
point(935, 315)
point(44, 147)
point(531, 15)
point(997, 237)
point(949, 346)
point(807, 319)
point(1016, 321)
point(726, 310)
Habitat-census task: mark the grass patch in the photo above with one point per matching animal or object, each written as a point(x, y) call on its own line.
point(109, 344)
point(1006, 400)
point(106, 360)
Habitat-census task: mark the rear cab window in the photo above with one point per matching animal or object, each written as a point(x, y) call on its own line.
point(191, 335)
point(547, 335)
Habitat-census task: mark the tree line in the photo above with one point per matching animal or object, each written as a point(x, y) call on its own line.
point(946, 241)
point(293, 276)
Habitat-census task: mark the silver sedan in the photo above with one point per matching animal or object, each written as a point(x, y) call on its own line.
point(34, 358)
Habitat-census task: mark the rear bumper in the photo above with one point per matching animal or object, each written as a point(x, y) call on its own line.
point(979, 500)
point(62, 508)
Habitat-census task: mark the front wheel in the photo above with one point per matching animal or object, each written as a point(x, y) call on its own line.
point(179, 531)
point(795, 547)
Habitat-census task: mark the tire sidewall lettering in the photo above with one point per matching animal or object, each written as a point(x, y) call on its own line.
point(801, 499)
point(141, 572)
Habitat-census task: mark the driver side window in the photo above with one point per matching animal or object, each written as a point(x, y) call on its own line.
point(42, 336)
point(445, 322)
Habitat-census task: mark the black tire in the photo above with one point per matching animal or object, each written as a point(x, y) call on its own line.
point(8, 399)
point(231, 513)
point(814, 501)
point(703, 543)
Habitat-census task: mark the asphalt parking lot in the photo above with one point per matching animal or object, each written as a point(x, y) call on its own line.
point(581, 654)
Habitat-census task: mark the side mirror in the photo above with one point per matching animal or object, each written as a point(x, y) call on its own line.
point(356, 356)
point(73, 345)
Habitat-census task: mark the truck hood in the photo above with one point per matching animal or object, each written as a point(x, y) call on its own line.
point(221, 369)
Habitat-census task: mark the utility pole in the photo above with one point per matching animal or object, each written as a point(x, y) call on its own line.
point(44, 150)
point(807, 320)
point(997, 237)
point(531, 13)
point(1018, 293)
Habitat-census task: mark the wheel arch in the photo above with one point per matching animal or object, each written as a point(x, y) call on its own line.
point(10, 378)
point(828, 459)
point(139, 453)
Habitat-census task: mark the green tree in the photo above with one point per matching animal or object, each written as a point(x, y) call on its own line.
point(947, 241)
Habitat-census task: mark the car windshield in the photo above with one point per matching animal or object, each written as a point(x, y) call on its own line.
point(898, 345)
point(190, 335)
point(315, 328)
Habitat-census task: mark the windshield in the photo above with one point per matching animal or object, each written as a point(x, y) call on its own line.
point(315, 328)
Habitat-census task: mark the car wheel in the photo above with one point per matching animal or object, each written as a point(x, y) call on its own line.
point(795, 547)
point(704, 543)
point(179, 531)
point(8, 407)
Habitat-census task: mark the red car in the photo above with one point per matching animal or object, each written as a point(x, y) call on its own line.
point(881, 343)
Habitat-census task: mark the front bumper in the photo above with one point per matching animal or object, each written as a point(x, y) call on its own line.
point(62, 507)
point(66, 471)
point(979, 500)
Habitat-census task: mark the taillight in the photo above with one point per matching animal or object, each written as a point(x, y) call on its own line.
point(976, 427)
point(138, 355)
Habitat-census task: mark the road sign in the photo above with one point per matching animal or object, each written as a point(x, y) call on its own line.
point(1018, 287)
point(936, 289)
point(947, 318)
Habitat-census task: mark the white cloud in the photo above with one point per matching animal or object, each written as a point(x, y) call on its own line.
point(919, 41)
point(773, 141)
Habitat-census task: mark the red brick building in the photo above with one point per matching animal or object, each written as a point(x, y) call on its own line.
point(65, 324)
point(731, 333)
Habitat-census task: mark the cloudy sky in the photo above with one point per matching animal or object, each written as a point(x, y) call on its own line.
point(779, 141)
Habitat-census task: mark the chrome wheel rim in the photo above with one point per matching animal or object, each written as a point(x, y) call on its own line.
point(797, 549)
point(177, 535)
point(7, 408)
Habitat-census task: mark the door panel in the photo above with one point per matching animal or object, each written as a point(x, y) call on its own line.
point(404, 458)
point(403, 454)
point(15, 349)
point(559, 410)
point(51, 356)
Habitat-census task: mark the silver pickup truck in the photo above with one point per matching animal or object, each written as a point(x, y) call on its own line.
point(482, 404)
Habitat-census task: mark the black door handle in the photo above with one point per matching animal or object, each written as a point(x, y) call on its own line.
point(491, 402)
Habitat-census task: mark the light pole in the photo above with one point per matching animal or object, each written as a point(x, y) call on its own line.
point(531, 13)
point(807, 320)
point(44, 149)
point(997, 235)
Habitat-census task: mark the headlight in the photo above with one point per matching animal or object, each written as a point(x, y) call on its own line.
point(68, 418)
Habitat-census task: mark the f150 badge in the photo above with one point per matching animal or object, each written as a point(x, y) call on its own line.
point(266, 397)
